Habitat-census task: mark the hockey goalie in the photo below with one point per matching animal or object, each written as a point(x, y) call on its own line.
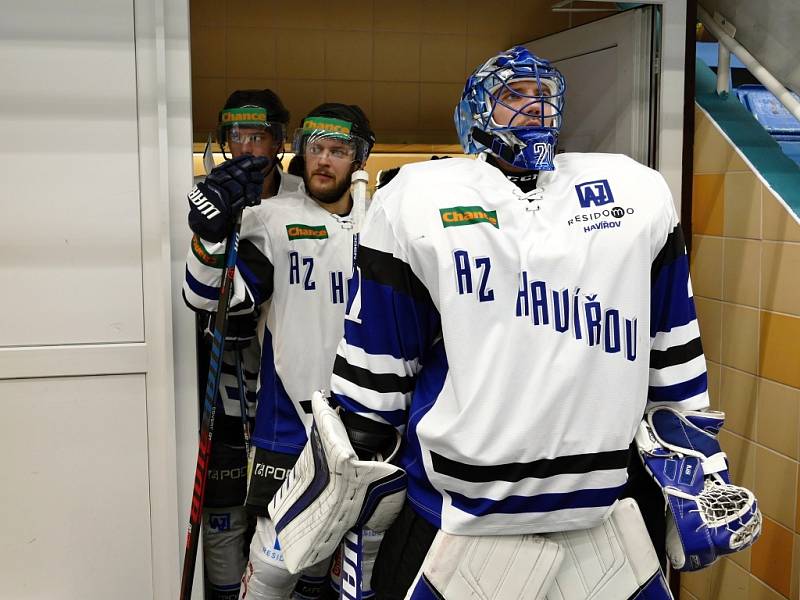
point(518, 321)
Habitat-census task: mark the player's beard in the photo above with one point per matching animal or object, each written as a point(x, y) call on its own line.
point(331, 195)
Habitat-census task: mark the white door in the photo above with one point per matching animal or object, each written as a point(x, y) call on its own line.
point(609, 69)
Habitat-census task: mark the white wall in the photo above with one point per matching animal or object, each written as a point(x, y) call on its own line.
point(95, 114)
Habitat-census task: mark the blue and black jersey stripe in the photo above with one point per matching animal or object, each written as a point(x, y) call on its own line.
point(538, 469)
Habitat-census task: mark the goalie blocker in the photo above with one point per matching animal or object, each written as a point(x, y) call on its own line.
point(710, 517)
point(331, 490)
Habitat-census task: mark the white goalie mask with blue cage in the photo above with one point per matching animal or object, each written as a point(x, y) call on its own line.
point(512, 107)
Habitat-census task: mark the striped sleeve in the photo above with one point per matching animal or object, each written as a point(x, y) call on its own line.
point(390, 327)
point(253, 281)
point(677, 364)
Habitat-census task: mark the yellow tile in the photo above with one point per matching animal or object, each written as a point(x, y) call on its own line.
point(728, 581)
point(397, 16)
point(795, 587)
point(741, 558)
point(306, 15)
point(351, 92)
point(797, 508)
point(714, 384)
point(776, 486)
point(349, 16)
point(396, 105)
point(706, 266)
point(686, 595)
point(249, 83)
point(348, 56)
point(740, 337)
point(742, 455)
point(300, 97)
point(708, 204)
point(780, 287)
point(250, 52)
point(533, 20)
point(709, 317)
point(437, 102)
point(778, 223)
point(481, 46)
point(772, 556)
point(477, 23)
point(742, 205)
point(206, 13)
point(778, 417)
point(741, 271)
point(300, 57)
point(779, 353)
point(250, 13)
point(739, 400)
point(444, 16)
point(396, 56)
point(443, 58)
point(697, 583)
point(760, 591)
point(712, 152)
point(208, 52)
point(208, 96)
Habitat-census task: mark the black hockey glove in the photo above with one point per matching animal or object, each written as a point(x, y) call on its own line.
point(229, 187)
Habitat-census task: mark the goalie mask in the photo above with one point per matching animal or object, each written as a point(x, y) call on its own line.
point(340, 122)
point(254, 117)
point(512, 107)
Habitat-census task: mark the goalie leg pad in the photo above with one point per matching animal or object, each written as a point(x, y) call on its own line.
point(500, 567)
point(612, 561)
point(330, 490)
point(710, 516)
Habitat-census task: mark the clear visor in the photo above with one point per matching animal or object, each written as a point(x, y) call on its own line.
point(335, 146)
point(526, 102)
point(262, 136)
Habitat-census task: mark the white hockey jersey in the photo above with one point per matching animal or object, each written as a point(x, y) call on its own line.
point(515, 339)
point(299, 257)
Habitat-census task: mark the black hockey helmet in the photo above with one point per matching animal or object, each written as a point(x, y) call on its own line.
point(341, 121)
point(253, 108)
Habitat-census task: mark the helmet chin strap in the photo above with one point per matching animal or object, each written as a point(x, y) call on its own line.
point(497, 146)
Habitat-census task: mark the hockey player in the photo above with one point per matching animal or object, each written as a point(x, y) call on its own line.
point(251, 122)
point(296, 253)
point(515, 318)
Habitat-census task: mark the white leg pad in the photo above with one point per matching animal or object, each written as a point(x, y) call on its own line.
point(608, 562)
point(460, 567)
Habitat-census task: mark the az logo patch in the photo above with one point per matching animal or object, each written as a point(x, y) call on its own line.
point(594, 192)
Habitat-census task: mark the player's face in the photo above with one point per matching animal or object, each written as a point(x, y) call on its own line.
point(256, 141)
point(329, 164)
point(519, 105)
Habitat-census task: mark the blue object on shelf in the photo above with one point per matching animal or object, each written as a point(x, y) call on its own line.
point(768, 111)
point(791, 149)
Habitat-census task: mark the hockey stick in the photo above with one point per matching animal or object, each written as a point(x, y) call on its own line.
point(209, 411)
point(243, 401)
point(351, 586)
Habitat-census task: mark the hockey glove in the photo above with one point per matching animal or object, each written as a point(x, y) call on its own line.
point(710, 517)
point(229, 187)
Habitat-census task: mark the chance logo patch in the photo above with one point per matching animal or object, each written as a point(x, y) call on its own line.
point(297, 231)
point(468, 215)
point(594, 192)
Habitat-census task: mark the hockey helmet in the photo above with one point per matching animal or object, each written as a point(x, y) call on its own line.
point(345, 122)
point(252, 109)
point(499, 86)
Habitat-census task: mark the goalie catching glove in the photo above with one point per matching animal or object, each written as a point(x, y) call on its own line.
point(710, 516)
point(330, 490)
point(232, 185)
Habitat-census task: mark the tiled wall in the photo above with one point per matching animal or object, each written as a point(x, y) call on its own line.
point(403, 61)
point(745, 267)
